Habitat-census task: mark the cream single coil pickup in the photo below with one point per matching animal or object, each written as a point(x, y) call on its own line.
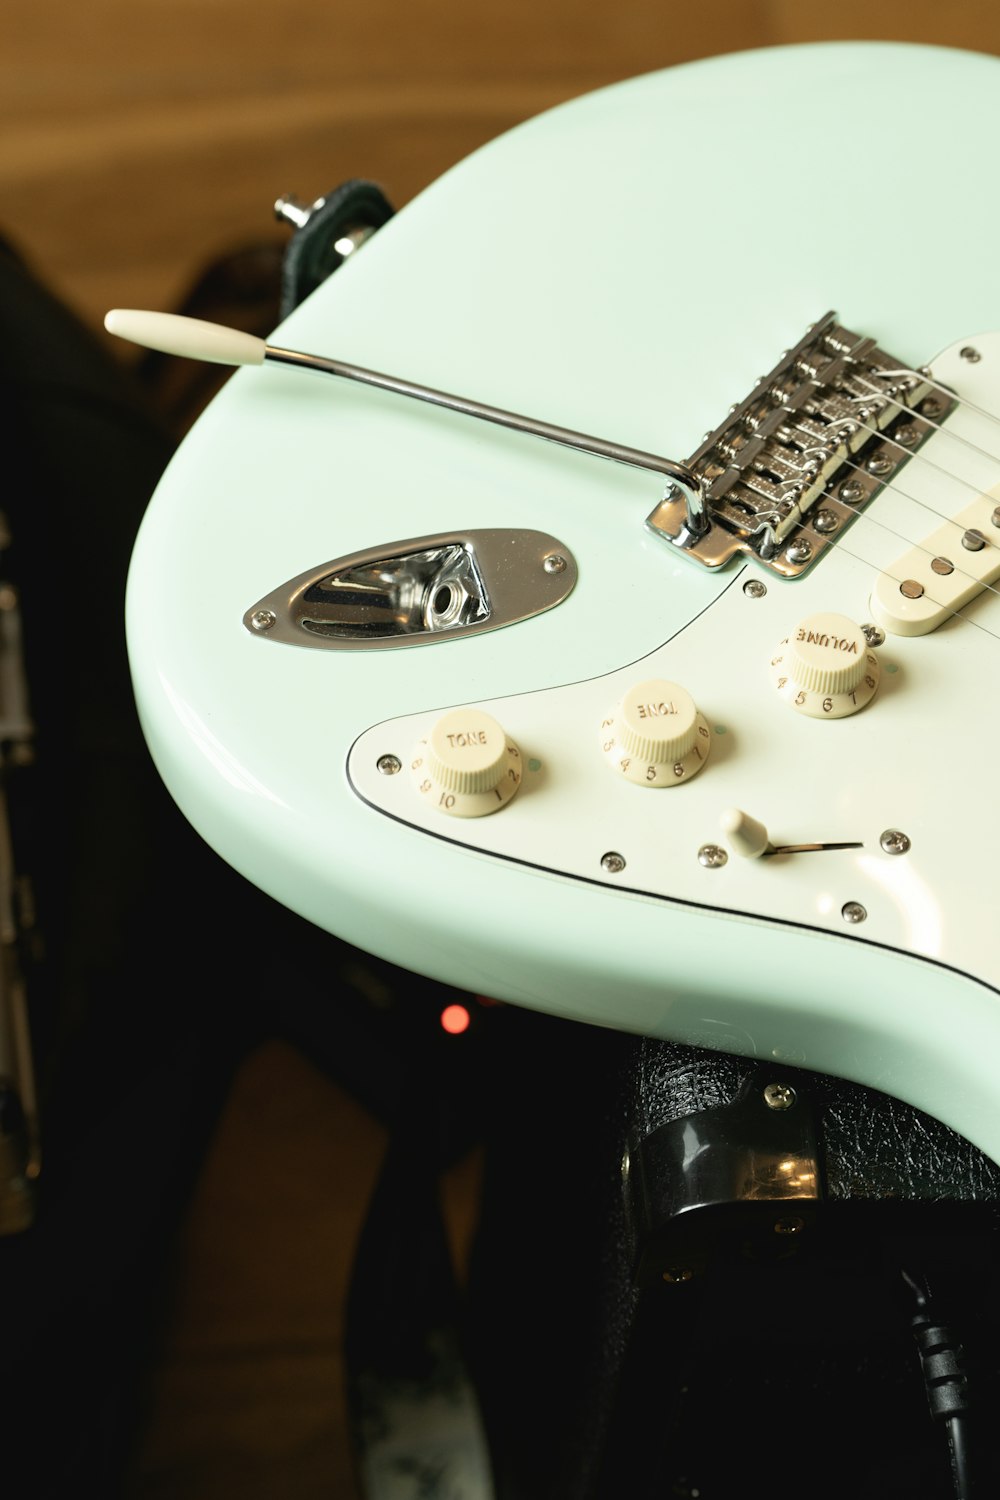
point(934, 580)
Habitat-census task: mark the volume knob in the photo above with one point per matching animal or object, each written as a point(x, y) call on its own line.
point(825, 667)
point(656, 735)
point(467, 766)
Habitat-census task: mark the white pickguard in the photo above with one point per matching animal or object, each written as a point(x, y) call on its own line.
point(892, 766)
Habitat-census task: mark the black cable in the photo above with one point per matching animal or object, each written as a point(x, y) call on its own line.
point(958, 1446)
point(942, 1363)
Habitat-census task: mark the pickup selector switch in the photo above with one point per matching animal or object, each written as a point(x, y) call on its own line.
point(655, 736)
point(825, 667)
point(467, 766)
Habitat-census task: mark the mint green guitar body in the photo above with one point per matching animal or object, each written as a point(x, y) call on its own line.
point(626, 265)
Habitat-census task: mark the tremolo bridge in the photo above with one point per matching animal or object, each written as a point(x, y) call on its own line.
point(810, 447)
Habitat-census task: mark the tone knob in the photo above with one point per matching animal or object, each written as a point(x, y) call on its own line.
point(825, 667)
point(656, 736)
point(467, 766)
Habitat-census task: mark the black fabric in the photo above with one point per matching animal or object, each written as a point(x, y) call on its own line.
point(311, 255)
point(161, 967)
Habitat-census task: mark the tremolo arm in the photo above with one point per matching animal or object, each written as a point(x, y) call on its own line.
point(810, 446)
point(790, 465)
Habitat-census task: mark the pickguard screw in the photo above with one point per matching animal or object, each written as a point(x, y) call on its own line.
point(779, 1096)
point(973, 356)
point(799, 551)
point(554, 563)
point(879, 464)
point(973, 541)
point(389, 765)
point(790, 1225)
point(906, 436)
point(932, 407)
point(851, 491)
point(263, 619)
point(612, 862)
point(853, 912)
point(894, 842)
point(873, 634)
point(712, 856)
point(825, 521)
point(754, 589)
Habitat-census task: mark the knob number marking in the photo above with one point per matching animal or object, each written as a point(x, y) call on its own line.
point(824, 668)
point(466, 766)
point(658, 736)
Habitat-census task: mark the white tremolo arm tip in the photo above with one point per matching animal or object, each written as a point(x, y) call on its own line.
point(191, 338)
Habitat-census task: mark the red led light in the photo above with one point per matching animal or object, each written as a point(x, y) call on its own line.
point(455, 1019)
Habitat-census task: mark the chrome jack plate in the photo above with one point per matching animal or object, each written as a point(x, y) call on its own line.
point(417, 592)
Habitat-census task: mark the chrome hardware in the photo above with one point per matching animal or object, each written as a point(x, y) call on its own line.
point(291, 210)
point(612, 863)
point(389, 765)
point(410, 593)
point(894, 842)
point(833, 404)
point(682, 483)
point(779, 1096)
point(799, 551)
point(873, 634)
point(754, 589)
point(853, 912)
point(712, 856)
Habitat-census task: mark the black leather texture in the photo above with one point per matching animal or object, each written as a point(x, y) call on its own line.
point(872, 1147)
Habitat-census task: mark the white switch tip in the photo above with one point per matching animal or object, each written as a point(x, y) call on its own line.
point(746, 836)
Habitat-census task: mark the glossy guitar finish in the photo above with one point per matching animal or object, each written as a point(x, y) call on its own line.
point(626, 265)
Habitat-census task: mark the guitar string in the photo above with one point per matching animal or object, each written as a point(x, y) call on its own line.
point(920, 416)
point(868, 563)
point(918, 546)
point(956, 614)
point(921, 457)
point(983, 587)
point(944, 391)
point(851, 356)
point(938, 426)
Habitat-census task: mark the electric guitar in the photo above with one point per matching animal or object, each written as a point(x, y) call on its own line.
point(701, 744)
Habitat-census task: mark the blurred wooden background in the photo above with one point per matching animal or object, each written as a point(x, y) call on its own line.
point(139, 141)
point(140, 138)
